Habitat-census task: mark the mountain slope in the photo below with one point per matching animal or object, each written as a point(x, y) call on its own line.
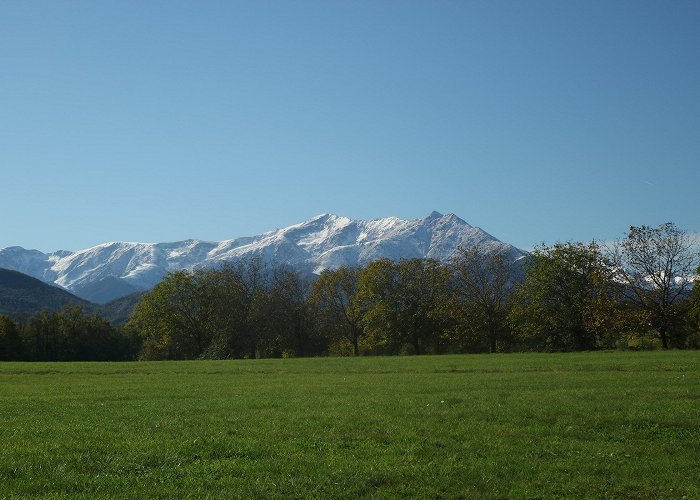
point(118, 310)
point(20, 293)
point(112, 270)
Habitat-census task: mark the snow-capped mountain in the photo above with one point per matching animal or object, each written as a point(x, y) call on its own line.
point(112, 270)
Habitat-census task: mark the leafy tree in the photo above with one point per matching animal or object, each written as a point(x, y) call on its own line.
point(334, 295)
point(41, 337)
point(292, 329)
point(71, 335)
point(559, 305)
point(403, 303)
point(252, 313)
point(483, 284)
point(693, 315)
point(657, 267)
point(91, 337)
point(223, 305)
point(211, 313)
point(11, 348)
point(172, 318)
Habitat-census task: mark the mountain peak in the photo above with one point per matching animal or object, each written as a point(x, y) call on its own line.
point(437, 217)
point(325, 241)
point(322, 216)
point(452, 217)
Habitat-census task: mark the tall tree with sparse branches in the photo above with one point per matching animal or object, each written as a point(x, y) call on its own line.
point(656, 266)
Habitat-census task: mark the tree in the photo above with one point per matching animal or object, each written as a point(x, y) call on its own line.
point(253, 316)
point(72, 335)
point(210, 313)
point(224, 313)
point(172, 317)
point(693, 318)
point(657, 267)
point(334, 296)
point(41, 337)
point(292, 327)
point(403, 303)
point(559, 304)
point(483, 284)
point(11, 348)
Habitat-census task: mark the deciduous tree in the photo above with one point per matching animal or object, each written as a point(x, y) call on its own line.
point(657, 267)
point(334, 296)
point(483, 284)
point(173, 318)
point(403, 303)
point(558, 305)
point(291, 330)
point(11, 348)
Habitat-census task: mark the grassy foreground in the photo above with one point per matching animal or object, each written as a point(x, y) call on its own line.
point(572, 425)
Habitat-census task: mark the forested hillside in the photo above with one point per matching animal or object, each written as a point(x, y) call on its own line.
point(22, 294)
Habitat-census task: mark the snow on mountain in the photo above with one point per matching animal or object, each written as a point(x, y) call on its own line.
point(111, 270)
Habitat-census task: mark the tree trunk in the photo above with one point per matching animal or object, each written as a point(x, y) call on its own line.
point(253, 350)
point(492, 342)
point(664, 337)
point(416, 345)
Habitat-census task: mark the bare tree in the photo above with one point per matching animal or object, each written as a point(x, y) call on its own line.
point(656, 268)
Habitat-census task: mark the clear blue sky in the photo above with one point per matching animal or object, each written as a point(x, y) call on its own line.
point(161, 121)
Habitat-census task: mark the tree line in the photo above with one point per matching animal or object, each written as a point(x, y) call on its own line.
point(67, 335)
point(635, 293)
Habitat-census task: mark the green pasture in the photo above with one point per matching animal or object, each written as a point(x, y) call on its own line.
point(612, 424)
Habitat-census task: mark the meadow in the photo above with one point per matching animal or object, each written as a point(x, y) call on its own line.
point(613, 424)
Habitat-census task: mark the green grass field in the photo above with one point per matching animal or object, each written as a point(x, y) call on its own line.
point(519, 425)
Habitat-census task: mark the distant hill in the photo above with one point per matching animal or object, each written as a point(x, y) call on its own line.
point(117, 311)
point(22, 294)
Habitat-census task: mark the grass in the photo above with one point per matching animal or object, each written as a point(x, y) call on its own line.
point(521, 425)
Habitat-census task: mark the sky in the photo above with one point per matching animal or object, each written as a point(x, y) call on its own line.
point(538, 121)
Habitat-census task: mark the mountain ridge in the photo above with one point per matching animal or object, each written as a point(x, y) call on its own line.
point(110, 270)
